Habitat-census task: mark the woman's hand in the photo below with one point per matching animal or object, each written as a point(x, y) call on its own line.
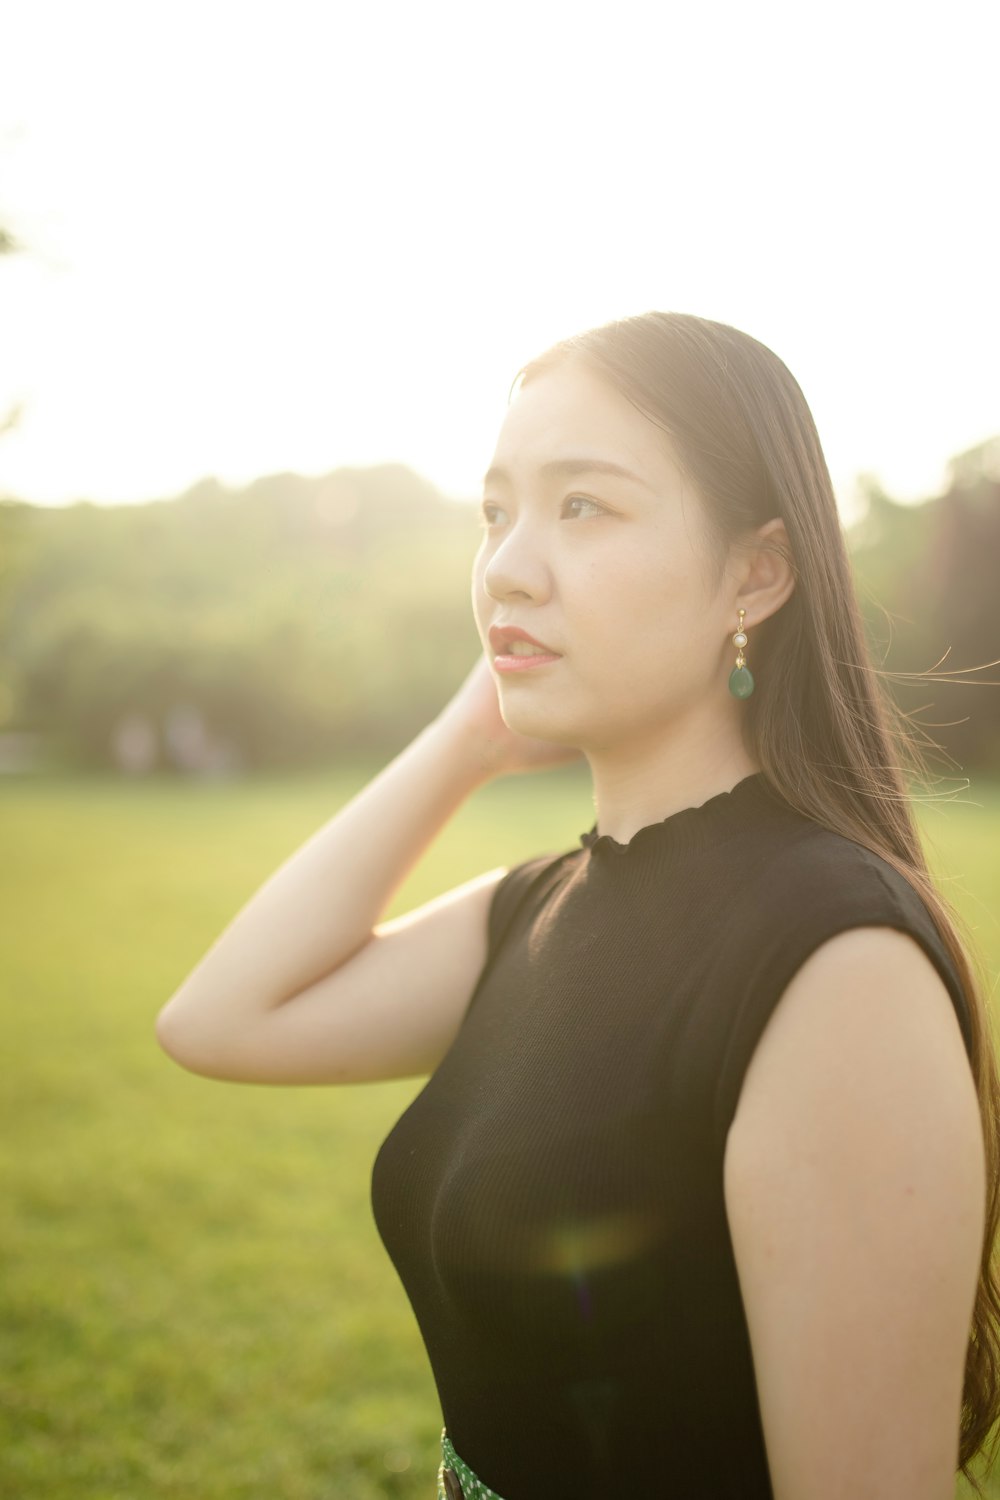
point(475, 710)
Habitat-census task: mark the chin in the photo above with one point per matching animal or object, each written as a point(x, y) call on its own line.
point(538, 721)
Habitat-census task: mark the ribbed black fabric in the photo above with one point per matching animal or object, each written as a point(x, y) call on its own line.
point(552, 1199)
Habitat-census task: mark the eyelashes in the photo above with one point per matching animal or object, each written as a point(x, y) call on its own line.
point(583, 499)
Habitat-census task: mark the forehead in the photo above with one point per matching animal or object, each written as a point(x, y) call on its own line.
point(571, 412)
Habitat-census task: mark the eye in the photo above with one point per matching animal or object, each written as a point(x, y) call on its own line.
point(582, 500)
point(494, 515)
point(485, 519)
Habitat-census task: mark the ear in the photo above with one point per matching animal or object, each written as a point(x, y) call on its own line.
point(768, 572)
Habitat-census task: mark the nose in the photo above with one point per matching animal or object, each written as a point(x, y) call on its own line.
point(517, 566)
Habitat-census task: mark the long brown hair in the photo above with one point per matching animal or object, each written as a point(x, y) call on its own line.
point(821, 722)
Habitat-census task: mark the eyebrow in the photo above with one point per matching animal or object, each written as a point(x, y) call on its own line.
point(566, 467)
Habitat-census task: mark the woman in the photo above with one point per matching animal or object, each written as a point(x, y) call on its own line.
point(701, 1194)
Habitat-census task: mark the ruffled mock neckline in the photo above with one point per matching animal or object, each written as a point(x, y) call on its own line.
point(688, 823)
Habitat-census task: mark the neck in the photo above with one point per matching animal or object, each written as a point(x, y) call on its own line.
point(638, 783)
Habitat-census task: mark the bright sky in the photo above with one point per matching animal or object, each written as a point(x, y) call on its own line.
point(281, 236)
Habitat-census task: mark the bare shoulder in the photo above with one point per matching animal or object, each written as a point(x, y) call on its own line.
point(868, 1007)
point(855, 1192)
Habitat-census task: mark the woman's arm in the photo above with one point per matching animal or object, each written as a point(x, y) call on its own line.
point(855, 1185)
point(297, 935)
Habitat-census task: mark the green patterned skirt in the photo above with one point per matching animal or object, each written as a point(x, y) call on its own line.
point(456, 1481)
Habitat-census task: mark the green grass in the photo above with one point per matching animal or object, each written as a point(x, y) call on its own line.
point(194, 1299)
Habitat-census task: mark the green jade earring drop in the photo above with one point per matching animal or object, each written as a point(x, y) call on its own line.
point(740, 680)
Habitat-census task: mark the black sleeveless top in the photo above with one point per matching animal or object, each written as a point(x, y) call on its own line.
point(552, 1200)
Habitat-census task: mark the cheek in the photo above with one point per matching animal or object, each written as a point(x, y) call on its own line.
point(656, 613)
point(643, 598)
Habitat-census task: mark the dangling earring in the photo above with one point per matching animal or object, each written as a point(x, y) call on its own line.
point(740, 680)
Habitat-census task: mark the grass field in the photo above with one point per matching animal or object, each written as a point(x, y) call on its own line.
point(194, 1299)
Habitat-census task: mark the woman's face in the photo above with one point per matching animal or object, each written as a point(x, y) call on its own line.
point(611, 572)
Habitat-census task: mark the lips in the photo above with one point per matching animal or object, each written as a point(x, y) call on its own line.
point(502, 635)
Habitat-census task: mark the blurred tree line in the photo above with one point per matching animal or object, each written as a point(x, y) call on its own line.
point(927, 577)
point(302, 619)
point(279, 625)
